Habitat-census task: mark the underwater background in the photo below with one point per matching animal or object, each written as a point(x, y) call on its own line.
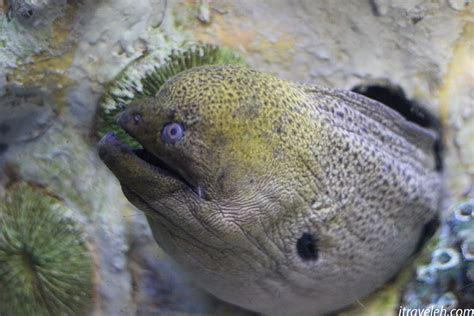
point(71, 244)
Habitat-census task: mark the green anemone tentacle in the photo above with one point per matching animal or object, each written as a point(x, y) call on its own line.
point(45, 265)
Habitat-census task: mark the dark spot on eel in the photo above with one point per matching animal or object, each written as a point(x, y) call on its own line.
point(307, 247)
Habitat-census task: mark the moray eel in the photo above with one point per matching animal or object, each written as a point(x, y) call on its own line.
point(281, 198)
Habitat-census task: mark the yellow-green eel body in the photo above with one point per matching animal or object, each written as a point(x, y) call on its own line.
point(281, 198)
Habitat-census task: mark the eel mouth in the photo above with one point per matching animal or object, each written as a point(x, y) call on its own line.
point(118, 155)
point(166, 169)
point(159, 164)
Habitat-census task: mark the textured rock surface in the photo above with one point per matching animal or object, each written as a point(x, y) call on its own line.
point(64, 53)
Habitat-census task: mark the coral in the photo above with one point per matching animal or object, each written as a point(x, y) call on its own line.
point(45, 265)
point(447, 279)
point(130, 85)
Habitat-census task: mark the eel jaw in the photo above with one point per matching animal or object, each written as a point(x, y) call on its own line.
point(131, 165)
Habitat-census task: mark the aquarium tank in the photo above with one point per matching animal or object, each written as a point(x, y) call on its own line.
point(198, 157)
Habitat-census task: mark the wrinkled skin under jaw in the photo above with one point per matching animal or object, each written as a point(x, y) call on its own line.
point(130, 165)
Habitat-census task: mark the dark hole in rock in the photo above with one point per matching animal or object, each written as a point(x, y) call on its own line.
point(28, 13)
point(465, 209)
point(4, 128)
point(395, 98)
point(3, 148)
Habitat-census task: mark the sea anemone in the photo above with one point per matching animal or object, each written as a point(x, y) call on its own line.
point(45, 264)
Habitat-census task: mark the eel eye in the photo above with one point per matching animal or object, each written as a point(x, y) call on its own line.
point(307, 247)
point(172, 133)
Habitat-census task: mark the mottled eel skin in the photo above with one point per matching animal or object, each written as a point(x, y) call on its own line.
point(284, 199)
